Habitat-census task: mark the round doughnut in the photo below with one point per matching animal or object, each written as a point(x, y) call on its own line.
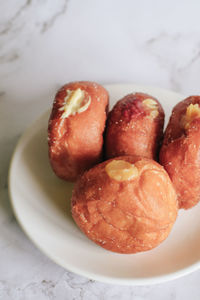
point(126, 204)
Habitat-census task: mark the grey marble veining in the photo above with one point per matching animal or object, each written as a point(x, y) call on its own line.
point(21, 22)
point(44, 44)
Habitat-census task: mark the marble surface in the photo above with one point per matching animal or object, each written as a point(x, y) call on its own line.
point(44, 44)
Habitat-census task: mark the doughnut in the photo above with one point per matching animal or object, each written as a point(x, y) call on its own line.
point(75, 129)
point(126, 204)
point(135, 127)
point(180, 152)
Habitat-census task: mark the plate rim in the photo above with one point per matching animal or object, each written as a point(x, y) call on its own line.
point(102, 278)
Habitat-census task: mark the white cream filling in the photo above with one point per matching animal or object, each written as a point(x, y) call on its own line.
point(73, 103)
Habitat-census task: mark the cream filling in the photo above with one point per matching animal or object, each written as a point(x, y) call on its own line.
point(121, 170)
point(152, 105)
point(73, 103)
point(192, 112)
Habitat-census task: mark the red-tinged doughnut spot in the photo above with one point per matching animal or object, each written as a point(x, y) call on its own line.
point(132, 108)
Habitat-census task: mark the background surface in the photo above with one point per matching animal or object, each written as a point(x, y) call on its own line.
point(44, 44)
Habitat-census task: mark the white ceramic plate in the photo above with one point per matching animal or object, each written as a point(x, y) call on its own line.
point(41, 203)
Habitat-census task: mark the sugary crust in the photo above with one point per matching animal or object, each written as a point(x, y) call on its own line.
point(75, 143)
point(180, 154)
point(126, 217)
point(131, 130)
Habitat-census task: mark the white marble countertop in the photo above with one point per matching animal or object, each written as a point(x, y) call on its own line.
point(44, 44)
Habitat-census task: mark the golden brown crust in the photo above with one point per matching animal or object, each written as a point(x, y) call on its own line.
point(133, 128)
point(126, 217)
point(75, 142)
point(180, 154)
